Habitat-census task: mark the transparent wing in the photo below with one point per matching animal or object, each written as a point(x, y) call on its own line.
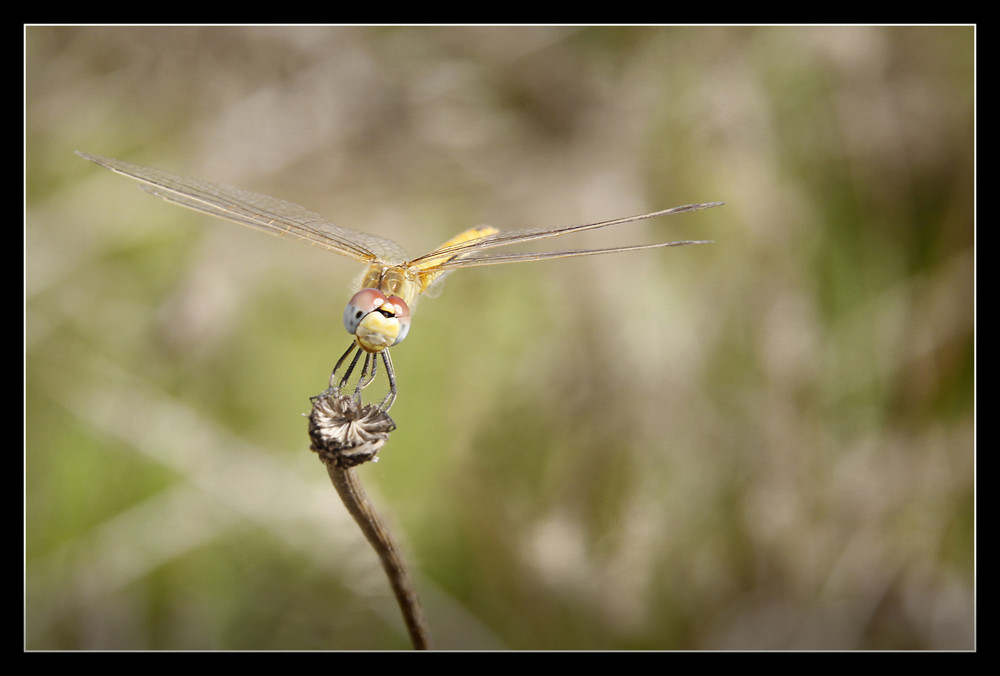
point(269, 214)
point(469, 254)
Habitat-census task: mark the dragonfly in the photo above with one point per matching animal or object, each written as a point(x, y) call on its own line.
point(377, 316)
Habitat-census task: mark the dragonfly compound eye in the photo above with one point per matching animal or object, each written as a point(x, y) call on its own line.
point(361, 303)
point(402, 314)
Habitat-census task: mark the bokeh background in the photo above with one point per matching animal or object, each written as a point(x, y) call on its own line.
point(765, 443)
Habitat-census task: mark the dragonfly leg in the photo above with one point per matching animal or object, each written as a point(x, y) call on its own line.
point(350, 368)
point(340, 362)
point(390, 398)
point(366, 377)
point(369, 371)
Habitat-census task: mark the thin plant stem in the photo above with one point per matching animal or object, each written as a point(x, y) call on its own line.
point(353, 494)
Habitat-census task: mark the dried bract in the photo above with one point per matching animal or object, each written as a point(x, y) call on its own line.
point(345, 432)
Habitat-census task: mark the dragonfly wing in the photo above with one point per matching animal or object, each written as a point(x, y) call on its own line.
point(269, 214)
point(469, 253)
point(477, 260)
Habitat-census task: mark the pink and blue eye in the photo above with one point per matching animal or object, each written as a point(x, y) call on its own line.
point(402, 315)
point(361, 303)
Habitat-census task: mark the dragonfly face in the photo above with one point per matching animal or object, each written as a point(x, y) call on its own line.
point(377, 322)
point(378, 316)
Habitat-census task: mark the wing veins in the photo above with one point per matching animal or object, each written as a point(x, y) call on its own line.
point(462, 254)
point(272, 224)
point(519, 257)
point(270, 214)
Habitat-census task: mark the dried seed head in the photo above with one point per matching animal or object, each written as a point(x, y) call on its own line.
point(345, 432)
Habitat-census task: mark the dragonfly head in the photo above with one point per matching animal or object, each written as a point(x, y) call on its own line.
point(376, 321)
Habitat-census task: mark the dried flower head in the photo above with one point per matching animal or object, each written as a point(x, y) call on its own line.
point(344, 431)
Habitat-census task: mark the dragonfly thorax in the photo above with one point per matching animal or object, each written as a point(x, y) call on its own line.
point(392, 280)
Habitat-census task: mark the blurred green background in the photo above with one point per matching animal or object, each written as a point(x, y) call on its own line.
point(766, 443)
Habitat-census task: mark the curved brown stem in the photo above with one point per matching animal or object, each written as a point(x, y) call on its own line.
point(349, 487)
